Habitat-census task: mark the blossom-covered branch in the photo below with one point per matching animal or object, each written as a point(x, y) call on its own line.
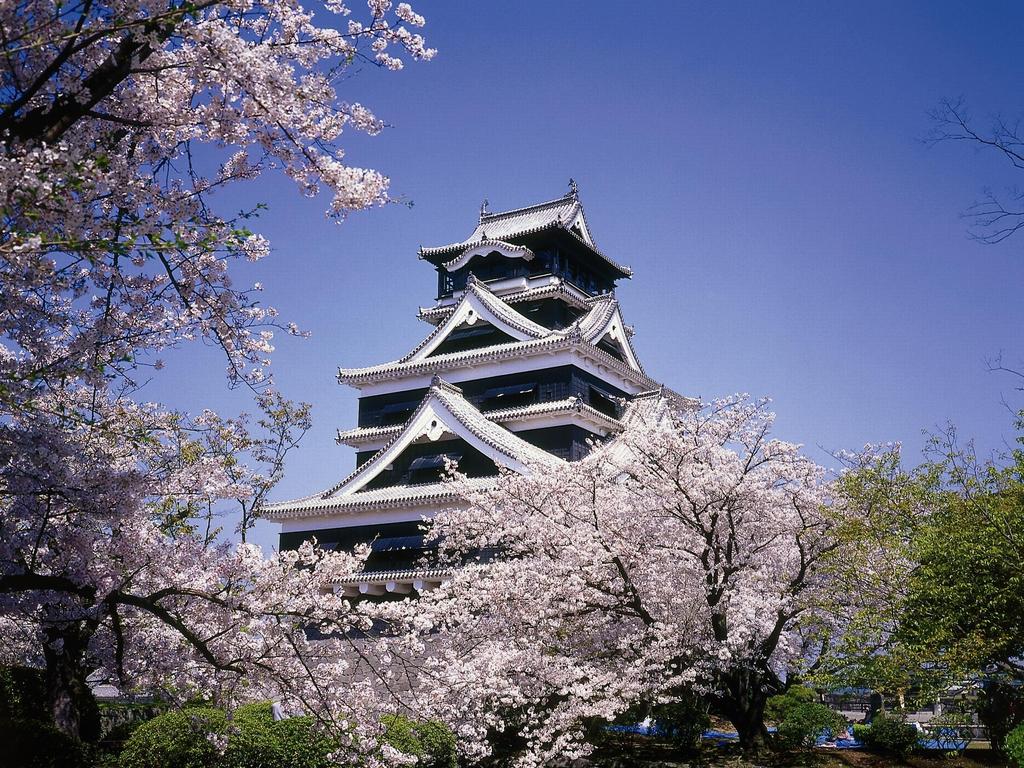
point(686, 555)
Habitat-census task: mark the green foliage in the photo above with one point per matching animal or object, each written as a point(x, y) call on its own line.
point(257, 741)
point(301, 745)
point(251, 738)
point(1000, 709)
point(430, 741)
point(892, 735)
point(683, 721)
point(1014, 745)
point(805, 721)
point(883, 504)
point(23, 694)
point(776, 707)
point(35, 744)
point(934, 557)
point(860, 732)
point(177, 738)
point(966, 596)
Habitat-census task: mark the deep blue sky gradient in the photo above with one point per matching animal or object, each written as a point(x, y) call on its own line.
point(758, 165)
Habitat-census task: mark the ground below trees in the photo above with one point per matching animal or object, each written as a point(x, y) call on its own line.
point(647, 753)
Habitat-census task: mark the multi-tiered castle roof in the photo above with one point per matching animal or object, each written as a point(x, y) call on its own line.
point(528, 364)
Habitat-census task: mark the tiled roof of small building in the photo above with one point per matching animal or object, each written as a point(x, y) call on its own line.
point(382, 577)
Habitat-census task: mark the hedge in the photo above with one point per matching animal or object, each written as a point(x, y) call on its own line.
point(178, 739)
point(251, 738)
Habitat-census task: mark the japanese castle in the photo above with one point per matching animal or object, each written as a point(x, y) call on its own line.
point(528, 363)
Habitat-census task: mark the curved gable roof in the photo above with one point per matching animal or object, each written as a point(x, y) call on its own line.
point(445, 411)
point(478, 304)
point(605, 320)
point(485, 247)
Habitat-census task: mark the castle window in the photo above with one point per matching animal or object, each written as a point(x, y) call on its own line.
point(397, 413)
point(510, 396)
point(603, 402)
point(428, 469)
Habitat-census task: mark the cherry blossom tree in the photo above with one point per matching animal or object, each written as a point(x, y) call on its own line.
point(121, 120)
point(685, 556)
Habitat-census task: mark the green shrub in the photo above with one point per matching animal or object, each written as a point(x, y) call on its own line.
point(33, 744)
point(1000, 709)
point(23, 695)
point(251, 738)
point(893, 735)
point(176, 739)
point(430, 741)
point(683, 721)
point(804, 722)
point(776, 707)
point(860, 732)
point(301, 745)
point(1014, 745)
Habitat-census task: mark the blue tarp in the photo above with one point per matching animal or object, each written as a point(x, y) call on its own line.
point(848, 744)
point(945, 740)
point(721, 737)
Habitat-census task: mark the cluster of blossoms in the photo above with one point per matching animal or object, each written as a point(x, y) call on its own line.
point(120, 121)
point(686, 556)
point(109, 112)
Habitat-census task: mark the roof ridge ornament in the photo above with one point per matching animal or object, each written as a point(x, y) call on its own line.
point(436, 382)
point(483, 208)
point(574, 190)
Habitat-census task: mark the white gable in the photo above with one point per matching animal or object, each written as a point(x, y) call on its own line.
point(444, 413)
point(478, 305)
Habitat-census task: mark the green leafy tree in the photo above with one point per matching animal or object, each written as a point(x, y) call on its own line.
point(966, 594)
point(875, 561)
point(936, 568)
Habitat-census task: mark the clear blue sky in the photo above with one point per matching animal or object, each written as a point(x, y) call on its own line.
point(759, 167)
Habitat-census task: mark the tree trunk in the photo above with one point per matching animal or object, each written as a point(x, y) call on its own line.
point(753, 734)
point(67, 690)
point(743, 701)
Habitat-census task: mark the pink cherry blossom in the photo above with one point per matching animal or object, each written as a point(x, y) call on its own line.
point(686, 555)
